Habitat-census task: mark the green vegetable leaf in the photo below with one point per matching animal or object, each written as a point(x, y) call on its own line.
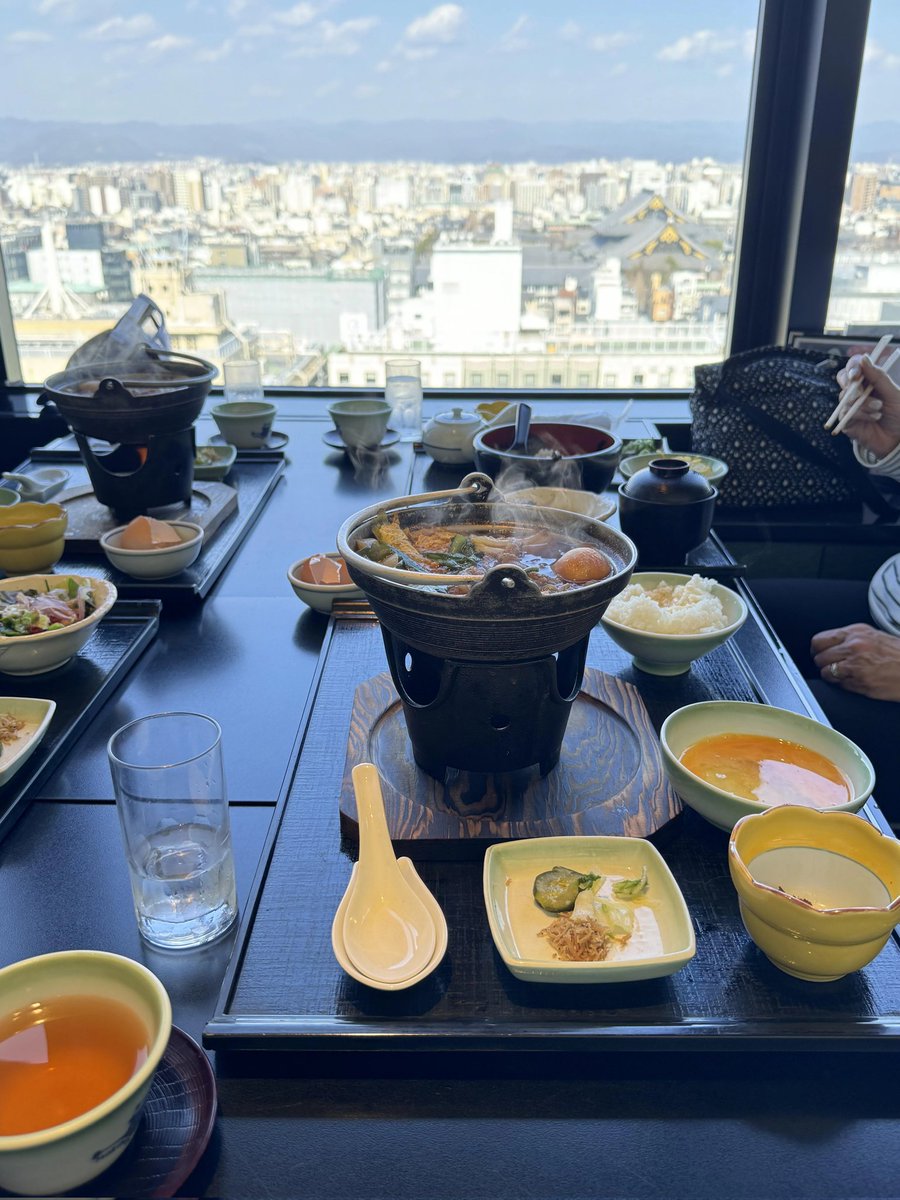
point(72, 588)
point(627, 889)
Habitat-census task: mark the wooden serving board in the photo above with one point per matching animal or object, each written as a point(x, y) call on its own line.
point(211, 503)
point(609, 779)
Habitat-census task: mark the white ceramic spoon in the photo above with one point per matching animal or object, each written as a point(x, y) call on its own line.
point(389, 934)
point(440, 924)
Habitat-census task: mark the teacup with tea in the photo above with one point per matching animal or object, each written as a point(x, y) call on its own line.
point(81, 1035)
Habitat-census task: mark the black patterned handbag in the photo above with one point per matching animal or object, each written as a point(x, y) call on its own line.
point(763, 412)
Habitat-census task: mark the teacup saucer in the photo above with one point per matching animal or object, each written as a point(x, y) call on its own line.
point(175, 1128)
point(333, 438)
point(275, 441)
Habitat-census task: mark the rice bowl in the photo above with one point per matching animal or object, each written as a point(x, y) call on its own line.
point(688, 616)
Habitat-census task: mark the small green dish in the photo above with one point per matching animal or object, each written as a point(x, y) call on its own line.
point(36, 715)
point(712, 469)
point(664, 936)
point(221, 460)
point(9, 496)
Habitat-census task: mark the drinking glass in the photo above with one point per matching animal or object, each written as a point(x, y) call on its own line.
point(170, 794)
point(243, 380)
point(403, 391)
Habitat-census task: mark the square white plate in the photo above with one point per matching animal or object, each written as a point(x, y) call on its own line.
point(663, 940)
point(37, 715)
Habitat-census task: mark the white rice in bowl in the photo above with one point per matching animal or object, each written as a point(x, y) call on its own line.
point(691, 607)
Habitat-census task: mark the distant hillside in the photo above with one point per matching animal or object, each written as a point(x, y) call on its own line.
point(70, 143)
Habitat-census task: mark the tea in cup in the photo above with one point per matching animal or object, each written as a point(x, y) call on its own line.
point(81, 1035)
point(361, 423)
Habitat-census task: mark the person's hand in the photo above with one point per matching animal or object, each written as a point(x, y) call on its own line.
point(877, 424)
point(860, 659)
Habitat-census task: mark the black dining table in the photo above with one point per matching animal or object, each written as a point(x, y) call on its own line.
point(812, 1117)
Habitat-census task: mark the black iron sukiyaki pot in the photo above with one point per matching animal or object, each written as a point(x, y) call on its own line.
point(502, 616)
point(486, 666)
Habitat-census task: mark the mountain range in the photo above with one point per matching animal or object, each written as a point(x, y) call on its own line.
point(74, 143)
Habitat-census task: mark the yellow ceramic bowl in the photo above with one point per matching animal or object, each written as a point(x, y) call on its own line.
point(32, 536)
point(819, 891)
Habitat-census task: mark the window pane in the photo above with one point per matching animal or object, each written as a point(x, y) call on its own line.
point(865, 286)
point(324, 187)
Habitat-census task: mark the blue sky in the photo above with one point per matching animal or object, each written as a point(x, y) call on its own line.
point(185, 61)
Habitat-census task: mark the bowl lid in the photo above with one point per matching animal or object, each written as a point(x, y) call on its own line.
point(458, 418)
point(668, 481)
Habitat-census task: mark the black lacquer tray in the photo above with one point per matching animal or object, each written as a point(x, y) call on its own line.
point(253, 478)
point(79, 688)
point(285, 990)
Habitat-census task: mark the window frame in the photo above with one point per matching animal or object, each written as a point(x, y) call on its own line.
point(807, 68)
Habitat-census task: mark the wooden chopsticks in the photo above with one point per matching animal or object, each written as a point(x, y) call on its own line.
point(851, 395)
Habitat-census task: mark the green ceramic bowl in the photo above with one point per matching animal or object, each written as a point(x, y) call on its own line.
point(9, 496)
point(62, 1157)
point(673, 653)
point(688, 725)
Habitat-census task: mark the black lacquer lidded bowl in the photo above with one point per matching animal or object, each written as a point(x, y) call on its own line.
point(667, 510)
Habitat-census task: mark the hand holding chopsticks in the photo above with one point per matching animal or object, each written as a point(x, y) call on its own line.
point(863, 397)
point(851, 395)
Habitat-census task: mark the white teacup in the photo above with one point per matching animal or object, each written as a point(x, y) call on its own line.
point(61, 1157)
point(361, 423)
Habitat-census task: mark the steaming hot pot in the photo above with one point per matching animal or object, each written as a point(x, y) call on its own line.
point(145, 405)
point(486, 677)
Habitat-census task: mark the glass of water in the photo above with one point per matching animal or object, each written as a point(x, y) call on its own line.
point(170, 794)
point(403, 391)
point(243, 380)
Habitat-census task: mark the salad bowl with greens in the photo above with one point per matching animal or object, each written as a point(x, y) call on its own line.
point(46, 619)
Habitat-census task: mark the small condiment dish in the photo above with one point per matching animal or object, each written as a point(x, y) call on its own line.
point(663, 941)
point(9, 497)
point(320, 596)
point(35, 716)
point(688, 725)
point(819, 891)
point(214, 462)
point(39, 652)
point(160, 562)
point(32, 536)
point(673, 653)
point(62, 1157)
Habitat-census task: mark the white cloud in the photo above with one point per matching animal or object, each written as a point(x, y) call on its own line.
point(25, 37)
point(725, 70)
point(602, 42)
point(169, 42)
point(326, 89)
point(300, 14)
point(513, 39)
point(215, 53)
point(696, 45)
point(264, 91)
point(876, 53)
point(234, 8)
point(384, 66)
point(62, 8)
point(334, 37)
point(441, 26)
point(619, 69)
point(122, 29)
point(262, 30)
point(364, 91)
point(570, 32)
